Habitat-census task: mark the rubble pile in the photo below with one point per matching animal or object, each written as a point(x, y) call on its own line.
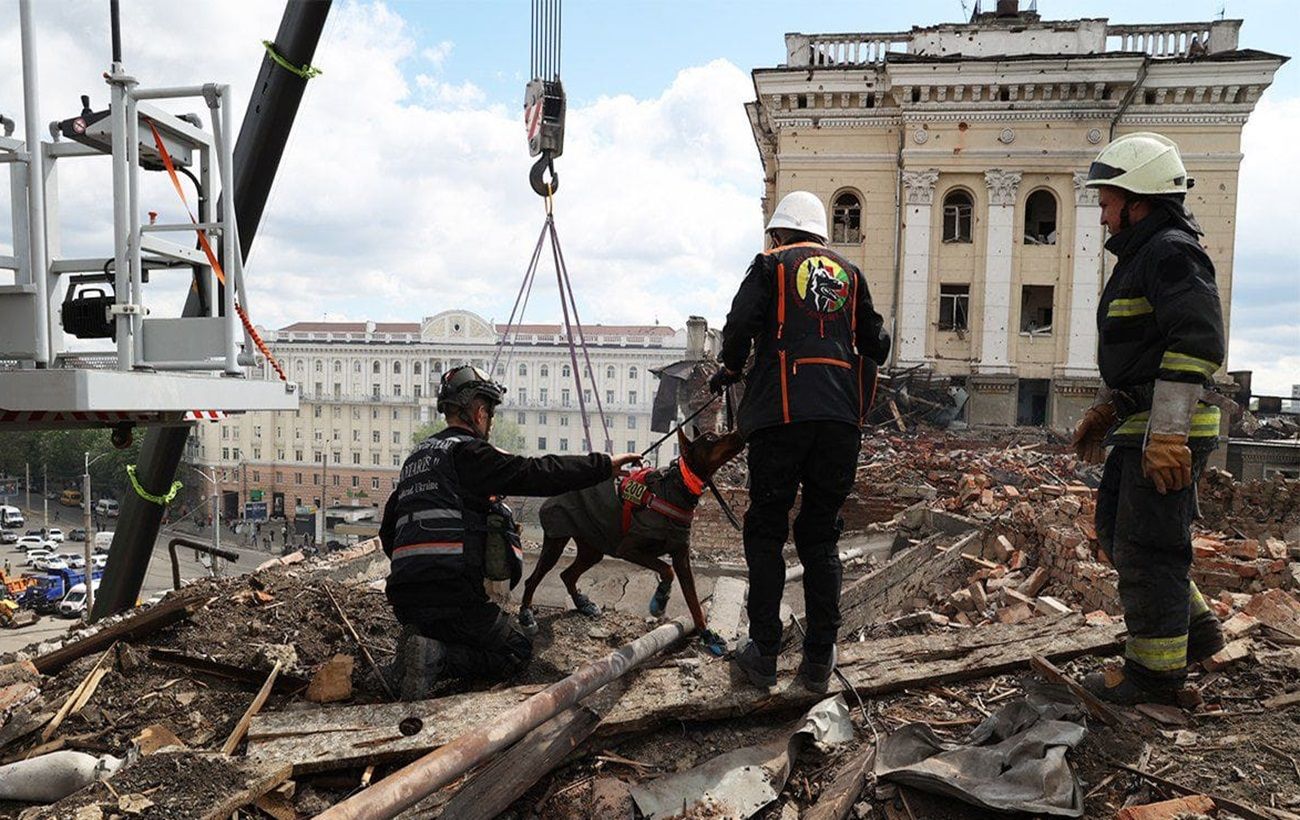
point(1250, 509)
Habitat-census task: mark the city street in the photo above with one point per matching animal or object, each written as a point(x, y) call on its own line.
point(158, 579)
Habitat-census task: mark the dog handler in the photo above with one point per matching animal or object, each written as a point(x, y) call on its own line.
point(808, 312)
point(437, 525)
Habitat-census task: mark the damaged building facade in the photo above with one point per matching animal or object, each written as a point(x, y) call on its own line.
point(367, 387)
point(951, 160)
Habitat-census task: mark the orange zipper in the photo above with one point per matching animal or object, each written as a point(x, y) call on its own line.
point(817, 360)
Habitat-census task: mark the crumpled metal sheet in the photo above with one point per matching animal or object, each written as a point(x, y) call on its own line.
point(739, 783)
point(1013, 761)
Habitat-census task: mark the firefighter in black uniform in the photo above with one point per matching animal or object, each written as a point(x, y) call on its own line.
point(807, 312)
point(443, 519)
point(1161, 340)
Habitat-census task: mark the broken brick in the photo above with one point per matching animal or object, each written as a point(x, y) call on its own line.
point(1237, 650)
point(1034, 583)
point(1168, 809)
point(1014, 614)
point(1048, 605)
point(1239, 626)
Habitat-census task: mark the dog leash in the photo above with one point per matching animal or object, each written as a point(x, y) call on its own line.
point(647, 451)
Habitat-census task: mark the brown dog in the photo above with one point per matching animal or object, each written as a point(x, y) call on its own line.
point(637, 518)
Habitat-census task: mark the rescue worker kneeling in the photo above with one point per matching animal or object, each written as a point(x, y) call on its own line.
point(439, 527)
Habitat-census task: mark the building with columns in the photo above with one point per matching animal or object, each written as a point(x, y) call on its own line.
point(367, 387)
point(951, 160)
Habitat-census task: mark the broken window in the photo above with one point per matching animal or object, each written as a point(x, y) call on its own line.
point(1036, 309)
point(957, 209)
point(954, 307)
point(846, 224)
point(1031, 402)
point(1040, 218)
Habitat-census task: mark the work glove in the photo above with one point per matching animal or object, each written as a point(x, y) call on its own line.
point(1090, 433)
point(721, 380)
point(713, 642)
point(1167, 461)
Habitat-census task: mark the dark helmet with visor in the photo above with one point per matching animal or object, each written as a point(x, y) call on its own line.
point(463, 384)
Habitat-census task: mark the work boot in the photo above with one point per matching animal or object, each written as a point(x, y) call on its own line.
point(759, 669)
point(1118, 685)
point(527, 621)
point(422, 663)
point(1204, 637)
point(816, 675)
point(392, 672)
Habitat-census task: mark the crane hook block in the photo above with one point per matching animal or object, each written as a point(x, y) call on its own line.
point(544, 117)
point(540, 184)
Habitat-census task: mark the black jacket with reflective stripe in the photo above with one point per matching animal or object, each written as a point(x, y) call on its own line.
point(418, 530)
point(1160, 317)
point(807, 312)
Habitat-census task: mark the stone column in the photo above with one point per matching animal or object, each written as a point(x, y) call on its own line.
point(914, 296)
point(995, 333)
point(1085, 283)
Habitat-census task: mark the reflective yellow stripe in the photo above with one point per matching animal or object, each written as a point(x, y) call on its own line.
point(1158, 654)
point(1138, 306)
point(1205, 423)
point(1187, 364)
point(1198, 600)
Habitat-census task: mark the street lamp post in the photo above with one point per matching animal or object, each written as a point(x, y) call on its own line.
point(216, 513)
point(85, 510)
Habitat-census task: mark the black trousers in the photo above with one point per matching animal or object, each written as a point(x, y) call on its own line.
point(1148, 537)
point(821, 457)
point(482, 642)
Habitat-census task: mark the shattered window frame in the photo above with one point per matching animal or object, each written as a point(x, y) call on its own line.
point(954, 307)
point(958, 216)
point(846, 220)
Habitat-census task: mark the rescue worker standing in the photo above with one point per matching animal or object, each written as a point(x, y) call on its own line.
point(807, 312)
point(1160, 341)
point(438, 524)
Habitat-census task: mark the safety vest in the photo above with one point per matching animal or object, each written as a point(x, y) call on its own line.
point(806, 365)
point(435, 538)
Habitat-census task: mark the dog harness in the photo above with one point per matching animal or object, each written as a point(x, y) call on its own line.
point(635, 494)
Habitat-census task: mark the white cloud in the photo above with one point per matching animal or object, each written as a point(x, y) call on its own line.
point(396, 199)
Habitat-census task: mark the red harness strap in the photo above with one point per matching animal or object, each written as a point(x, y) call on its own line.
point(635, 494)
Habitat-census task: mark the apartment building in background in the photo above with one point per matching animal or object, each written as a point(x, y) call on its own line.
point(951, 160)
point(367, 387)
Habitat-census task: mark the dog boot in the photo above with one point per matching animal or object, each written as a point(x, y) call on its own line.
point(586, 606)
point(527, 621)
point(815, 675)
point(1117, 684)
point(422, 663)
point(660, 600)
point(759, 669)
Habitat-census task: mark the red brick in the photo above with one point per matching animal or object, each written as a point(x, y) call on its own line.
point(1168, 809)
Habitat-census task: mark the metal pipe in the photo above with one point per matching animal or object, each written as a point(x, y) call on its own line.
point(220, 108)
point(409, 785)
point(135, 264)
point(120, 84)
point(168, 92)
point(197, 546)
point(35, 186)
point(115, 23)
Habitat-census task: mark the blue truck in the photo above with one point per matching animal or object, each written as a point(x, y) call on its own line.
point(50, 587)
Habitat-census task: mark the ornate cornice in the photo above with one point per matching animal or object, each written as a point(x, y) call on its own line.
point(920, 186)
point(1002, 186)
point(1083, 196)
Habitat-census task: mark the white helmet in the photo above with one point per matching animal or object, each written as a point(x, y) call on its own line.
point(800, 211)
point(1142, 163)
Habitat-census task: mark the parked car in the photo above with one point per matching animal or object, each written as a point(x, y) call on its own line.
point(107, 507)
point(73, 560)
point(11, 517)
point(28, 542)
point(98, 561)
point(54, 534)
point(50, 563)
point(103, 541)
point(8, 537)
point(74, 603)
point(76, 534)
point(34, 555)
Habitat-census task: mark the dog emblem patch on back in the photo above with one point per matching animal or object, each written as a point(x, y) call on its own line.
point(822, 285)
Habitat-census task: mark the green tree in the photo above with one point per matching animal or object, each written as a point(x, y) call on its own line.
point(60, 456)
point(505, 433)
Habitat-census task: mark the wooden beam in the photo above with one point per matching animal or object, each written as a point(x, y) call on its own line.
point(837, 799)
point(237, 734)
point(1091, 702)
point(349, 736)
point(284, 684)
point(138, 623)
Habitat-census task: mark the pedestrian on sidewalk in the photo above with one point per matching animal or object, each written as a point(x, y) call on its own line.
point(435, 530)
point(1161, 339)
point(819, 340)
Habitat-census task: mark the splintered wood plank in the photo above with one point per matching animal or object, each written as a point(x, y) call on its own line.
point(346, 736)
point(351, 736)
point(662, 694)
point(836, 800)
